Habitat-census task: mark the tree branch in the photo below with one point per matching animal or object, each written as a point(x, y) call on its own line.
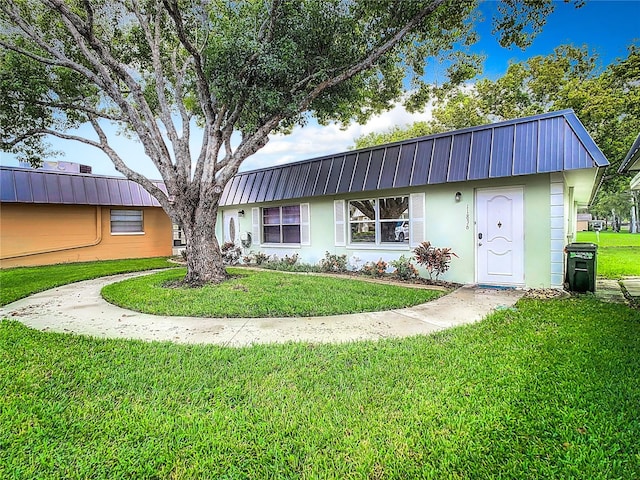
point(371, 58)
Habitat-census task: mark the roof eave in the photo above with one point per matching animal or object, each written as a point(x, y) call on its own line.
point(632, 161)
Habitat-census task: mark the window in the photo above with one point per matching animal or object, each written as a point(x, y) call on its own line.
point(281, 224)
point(126, 221)
point(379, 221)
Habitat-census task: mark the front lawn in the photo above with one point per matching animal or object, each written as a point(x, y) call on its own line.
point(252, 293)
point(548, 390)
point(618, 253)
point(17, 283)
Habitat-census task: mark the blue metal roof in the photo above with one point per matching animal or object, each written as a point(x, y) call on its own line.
point(550, 142)
point(25, 185)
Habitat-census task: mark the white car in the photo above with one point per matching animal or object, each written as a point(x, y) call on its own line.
point(402, 232)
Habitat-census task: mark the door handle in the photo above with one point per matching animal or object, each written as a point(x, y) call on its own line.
point(479, 244)
point(479, 236)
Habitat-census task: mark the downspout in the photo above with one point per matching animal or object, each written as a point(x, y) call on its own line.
point(571, 217)
point(95, 242)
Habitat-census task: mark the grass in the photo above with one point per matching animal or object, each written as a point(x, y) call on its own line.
point(262, 294)
point(550, 389)
point(17, 283)
point(618, 253)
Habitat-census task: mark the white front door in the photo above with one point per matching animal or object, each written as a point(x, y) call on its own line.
point(230, 226)
point(500, 236)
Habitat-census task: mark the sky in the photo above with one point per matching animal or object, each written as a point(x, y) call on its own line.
point(607, 27)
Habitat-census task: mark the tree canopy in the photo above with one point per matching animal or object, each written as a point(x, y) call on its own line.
point(159, 68)
point(607, 100)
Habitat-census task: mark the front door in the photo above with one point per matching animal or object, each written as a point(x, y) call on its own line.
point(500, 236)
point(230, 227)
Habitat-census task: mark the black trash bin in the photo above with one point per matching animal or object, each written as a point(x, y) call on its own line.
point(581, 266)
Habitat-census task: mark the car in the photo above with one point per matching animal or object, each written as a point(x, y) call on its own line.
point(402, 232)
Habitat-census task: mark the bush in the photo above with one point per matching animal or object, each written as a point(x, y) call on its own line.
point(404, 269)
point(333, 263)
point(230, 253)
point(436, 260)
point(291, 260)
point(377, 269)
point(256, 258)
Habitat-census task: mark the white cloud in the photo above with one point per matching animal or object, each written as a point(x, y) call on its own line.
point(303, 143)
point(314, 140)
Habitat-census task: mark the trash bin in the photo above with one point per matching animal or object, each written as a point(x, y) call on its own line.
point(581, 266)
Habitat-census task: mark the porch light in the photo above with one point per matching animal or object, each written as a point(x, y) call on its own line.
point(458, 196)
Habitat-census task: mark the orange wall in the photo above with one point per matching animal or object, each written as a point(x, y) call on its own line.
point(32, 234)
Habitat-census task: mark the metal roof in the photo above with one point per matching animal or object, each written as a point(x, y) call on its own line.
point(24, 185)
point(632, 160)
point(551, 142)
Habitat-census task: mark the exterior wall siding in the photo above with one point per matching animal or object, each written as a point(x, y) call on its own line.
point(558, 228)
point(37, 234)
point(447, 224)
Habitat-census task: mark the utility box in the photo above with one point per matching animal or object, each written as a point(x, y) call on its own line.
point(581, 266)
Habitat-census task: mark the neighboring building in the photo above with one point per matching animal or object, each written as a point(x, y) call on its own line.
point(583, 220)
point(504, 197)
point(47, 216)
point(631, 163)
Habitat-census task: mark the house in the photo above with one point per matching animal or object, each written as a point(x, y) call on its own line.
point(51, 217)
point(631, 163)
point(583, 221)
point(503, 196)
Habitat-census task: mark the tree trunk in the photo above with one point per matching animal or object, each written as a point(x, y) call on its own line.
point(204, 260)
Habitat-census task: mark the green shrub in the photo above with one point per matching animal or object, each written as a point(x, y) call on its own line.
point(333, 263)
point(404, 269)
point(375, 269)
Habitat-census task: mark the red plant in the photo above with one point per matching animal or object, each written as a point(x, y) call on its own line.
point(435, 260)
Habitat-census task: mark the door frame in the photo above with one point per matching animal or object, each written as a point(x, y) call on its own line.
point(234, 214)
point(519, 190)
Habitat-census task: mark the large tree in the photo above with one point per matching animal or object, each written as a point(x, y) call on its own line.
point(606, 99)
point(165, 70)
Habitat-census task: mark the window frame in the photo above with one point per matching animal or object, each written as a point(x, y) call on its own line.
point(378, 222)
point(281, 225)
point(119, 211)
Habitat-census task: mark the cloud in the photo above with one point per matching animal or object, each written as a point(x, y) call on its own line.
point(315, 140)
point(311, 141)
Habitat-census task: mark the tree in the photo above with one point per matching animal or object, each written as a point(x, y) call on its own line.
point(160, 68)
point(607, 101)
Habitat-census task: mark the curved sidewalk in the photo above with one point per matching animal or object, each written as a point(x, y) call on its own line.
point(78, 308)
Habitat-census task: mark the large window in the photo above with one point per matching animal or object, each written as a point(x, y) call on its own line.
point(281, 224)
point(379, 221)
point(126, 221)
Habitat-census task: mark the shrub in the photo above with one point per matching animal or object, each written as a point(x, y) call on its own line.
point(290, 260)
point(404, 269)
point(256, 258)
point(230, 253)
point(436, 260)
point(333, 263)
point(377, 269)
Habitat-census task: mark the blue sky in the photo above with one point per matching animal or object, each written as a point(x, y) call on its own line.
point(605, 26)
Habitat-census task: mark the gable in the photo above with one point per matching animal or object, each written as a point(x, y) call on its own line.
point(631, 161)
point(552, 142)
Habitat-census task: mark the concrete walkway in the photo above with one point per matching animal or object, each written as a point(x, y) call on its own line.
point(78, 308)
point(620, 291)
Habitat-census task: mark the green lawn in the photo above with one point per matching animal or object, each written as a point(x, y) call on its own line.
point(17, 283)
point(550, 390)
point(618, 253)
point(262, 294)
